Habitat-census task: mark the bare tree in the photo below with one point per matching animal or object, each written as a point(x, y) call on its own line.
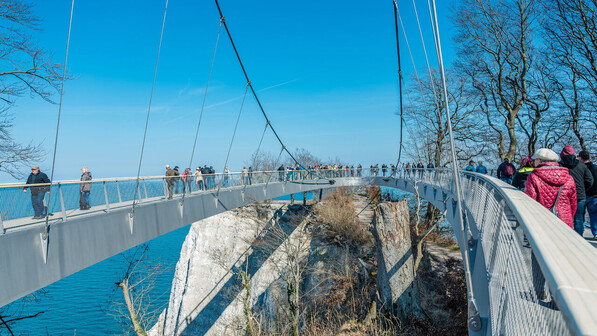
point(262, 161)
point(426, 116)
point(138, 281)
point(571, 35)
point(25, 68)
point(494, 39)
point(11, 314)
point(542, 92)
point(13, 155)
point(304, 157)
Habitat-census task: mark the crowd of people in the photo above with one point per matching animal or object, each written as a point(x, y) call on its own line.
point(564, 184)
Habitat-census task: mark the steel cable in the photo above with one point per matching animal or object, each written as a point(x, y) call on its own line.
point(155, 71)
point(253, 90)
point(205, 94)
point(473, 315)
point(70, 23)
point(235, 128)
point(399, 82)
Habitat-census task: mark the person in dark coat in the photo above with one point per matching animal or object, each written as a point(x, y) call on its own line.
point(527, 165)
point(505, 171)
point(583, 179)
point(38, 192)
point(85, 189)
point(591, 203)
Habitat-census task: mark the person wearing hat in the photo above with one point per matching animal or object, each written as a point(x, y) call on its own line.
point(38, 192)
point(170, 176)
point(583, 179)
point(552, 185)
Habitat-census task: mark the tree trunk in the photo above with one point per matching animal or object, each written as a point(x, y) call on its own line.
point(129, 304)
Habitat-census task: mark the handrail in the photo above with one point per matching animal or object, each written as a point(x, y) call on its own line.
point(567, 261)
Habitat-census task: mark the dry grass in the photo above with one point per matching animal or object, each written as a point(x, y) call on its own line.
point(338, 213)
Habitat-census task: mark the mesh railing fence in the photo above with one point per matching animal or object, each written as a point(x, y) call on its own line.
point(520, 303)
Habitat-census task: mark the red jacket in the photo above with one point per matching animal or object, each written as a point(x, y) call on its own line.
point(543, 185)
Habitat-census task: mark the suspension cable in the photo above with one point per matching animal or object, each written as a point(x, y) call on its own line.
point(155, 71)
point(70, 23)
point(236, 125)
point(284, 148)
point(399, 79)
point(205, 94)
point(473, 312)
point(262, 136)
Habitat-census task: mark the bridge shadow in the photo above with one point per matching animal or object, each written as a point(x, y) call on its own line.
point(262, 247)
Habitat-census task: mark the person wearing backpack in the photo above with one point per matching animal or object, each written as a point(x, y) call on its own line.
point(470, 167)
point(527, 165)
point(591, 203)
point(552, 186)
point(506, 170)
point(583, 180)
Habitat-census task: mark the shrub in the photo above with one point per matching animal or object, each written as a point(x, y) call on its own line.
point(338, 212)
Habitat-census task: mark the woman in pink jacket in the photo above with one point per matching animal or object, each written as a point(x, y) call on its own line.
point(546, 180)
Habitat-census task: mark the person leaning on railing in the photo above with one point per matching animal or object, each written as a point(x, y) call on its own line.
point(38, 192)
point(85, 189)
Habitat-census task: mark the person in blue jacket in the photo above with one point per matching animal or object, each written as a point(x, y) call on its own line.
point(481, 168)
point(470, 167)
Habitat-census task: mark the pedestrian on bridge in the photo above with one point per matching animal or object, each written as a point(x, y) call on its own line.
point(176, 179)
point(583, 180)
point(552, 186)
point(505, 171)
point(186, 180)
point(85, 189)
point(481, 168)
point(170, 176)
point(527, 165)
point(470, 167)
point(198, 178)
point(591, 192)
point(38, 192)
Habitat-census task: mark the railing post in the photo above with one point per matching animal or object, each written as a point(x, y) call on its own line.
point(139, 193)
point(118, 189)
point(2, 230)
point(61, 202)
point(106, 196)
point(145, 189)
point(166, 188)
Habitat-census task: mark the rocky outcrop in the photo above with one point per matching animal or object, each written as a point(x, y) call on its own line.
point(395, 263)
point(207, 294)
point(269, 263)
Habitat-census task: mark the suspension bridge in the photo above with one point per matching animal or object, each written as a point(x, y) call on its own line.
point(512, 247)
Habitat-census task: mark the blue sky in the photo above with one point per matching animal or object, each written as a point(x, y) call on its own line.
point(325, 72)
